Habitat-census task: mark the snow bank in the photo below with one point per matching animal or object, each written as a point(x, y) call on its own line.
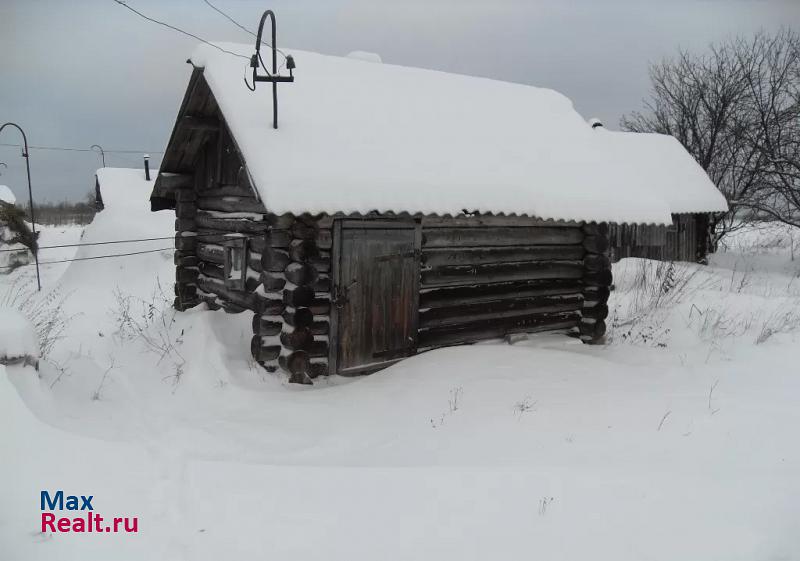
point(6, 195)
point(365, 56)
point(18, 340)
point(358, 137)
point(95, 280)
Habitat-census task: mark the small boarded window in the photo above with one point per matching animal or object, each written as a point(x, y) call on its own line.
point(236, 262)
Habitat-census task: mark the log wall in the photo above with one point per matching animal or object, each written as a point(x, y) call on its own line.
point(484, 280)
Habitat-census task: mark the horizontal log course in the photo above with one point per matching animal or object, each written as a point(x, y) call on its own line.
point(273, 282)
point(466, 314)
point(185, 259)
point(185, 243)
point(185, 275)
point(211, 236)
point(261, 352)
point(248, 300)
point(235, 225)
point(212, 253)
point(275, 260)
point(299, 317)
point(231, 204)
point(303, 317)
point(600, 311)
point(303, 251)
point(323, 284)
point(279, 238)
point(320, 307)
point(596, 262)
point(199, 123)
point(266, 327)
point(317, 349)
point(323, 263)
point(231, 308)
point(499, 236)
point(592, 331)
point(229, 190)
point(595, 244)
point(298, 339)
point(491, 329)
point(181, 183)
point(304, 231)
point(185, 210)
point(595, 295)
point(185, 224)
point(210, 300)
point(491, 292)
point(483, 255)
point(182, 304)
point(459, 275)
point(187, 291)
point(301, 273)
point(185, 193)
point(299, 297)
point(598, 278)
point(212, 270)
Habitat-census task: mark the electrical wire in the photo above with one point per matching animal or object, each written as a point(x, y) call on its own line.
point(229, 18)
point(72, 149)
point(192, 35)
point(88, 258)
point(240, 26)
point(139, 240)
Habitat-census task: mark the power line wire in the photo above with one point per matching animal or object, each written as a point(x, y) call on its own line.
point(73, 149)
point(240, 26)
point(138, 240)
point(192, 35)
point(88, 258)
point(229, 18)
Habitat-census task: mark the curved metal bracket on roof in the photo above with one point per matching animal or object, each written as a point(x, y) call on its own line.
point(5, 165)
point(274, 77)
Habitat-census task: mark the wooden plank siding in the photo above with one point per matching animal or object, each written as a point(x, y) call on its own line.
point(681, 241)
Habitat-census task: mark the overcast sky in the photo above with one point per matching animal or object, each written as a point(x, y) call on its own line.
point(82, 72)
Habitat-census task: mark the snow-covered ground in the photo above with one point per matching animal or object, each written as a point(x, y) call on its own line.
point(677, 440)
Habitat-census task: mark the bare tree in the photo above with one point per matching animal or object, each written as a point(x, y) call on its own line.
point(735, 110)
point(771, 66)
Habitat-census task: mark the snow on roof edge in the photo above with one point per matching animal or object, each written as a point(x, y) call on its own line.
point(626, 180)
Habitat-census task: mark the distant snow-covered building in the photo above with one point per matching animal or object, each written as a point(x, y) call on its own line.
point(7, 196)
point(399, 209)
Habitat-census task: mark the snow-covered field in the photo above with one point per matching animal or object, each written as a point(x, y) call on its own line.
point(677, 440)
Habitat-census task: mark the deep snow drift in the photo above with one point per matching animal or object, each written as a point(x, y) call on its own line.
point(677, 440)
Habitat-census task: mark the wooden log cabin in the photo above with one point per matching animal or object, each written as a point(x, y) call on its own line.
point(397, 210)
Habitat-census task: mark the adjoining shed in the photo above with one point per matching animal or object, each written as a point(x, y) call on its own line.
point(397, 210)
point(684, 238)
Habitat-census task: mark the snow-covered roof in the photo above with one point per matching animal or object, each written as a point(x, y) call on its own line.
point(359, 136)
point(124, 187)
point(6, 195)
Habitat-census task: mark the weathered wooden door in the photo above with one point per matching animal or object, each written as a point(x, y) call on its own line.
point(376, 286)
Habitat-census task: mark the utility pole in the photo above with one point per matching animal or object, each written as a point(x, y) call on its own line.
point(30, 197)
